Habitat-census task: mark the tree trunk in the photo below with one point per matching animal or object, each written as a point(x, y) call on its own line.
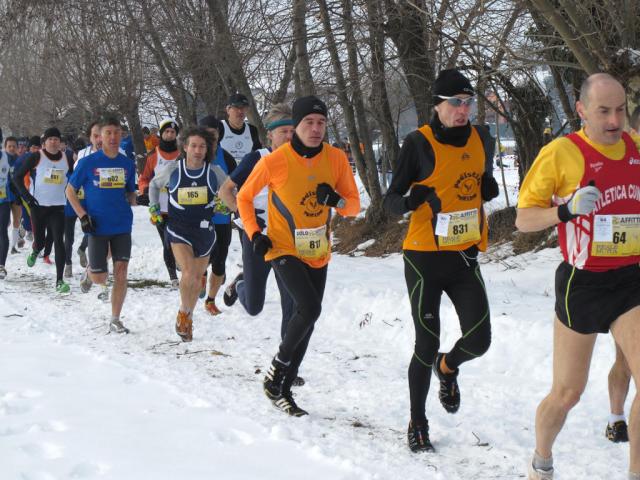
point(287, 75)
point(300, 40)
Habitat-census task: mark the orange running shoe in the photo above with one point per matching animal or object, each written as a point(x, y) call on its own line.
point(184, 326)
point(210, 306)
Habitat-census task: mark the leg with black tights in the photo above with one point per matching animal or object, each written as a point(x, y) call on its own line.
point(252, 289)
point(85, 242)
point(48, 242)
point(55, 223)
point(69, 236)
point(167, 253)
point(286, 305)
point(39, 227)
point(5, 217)
point(305, 286)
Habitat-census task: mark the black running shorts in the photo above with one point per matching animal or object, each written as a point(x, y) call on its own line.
point(589, 302)
point(99, 249)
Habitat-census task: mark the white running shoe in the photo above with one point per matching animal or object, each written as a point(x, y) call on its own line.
point(68, 271)
point(85, 282)
point(116, 326)
point(538, 474)
point(104, 294)
point(3, 272)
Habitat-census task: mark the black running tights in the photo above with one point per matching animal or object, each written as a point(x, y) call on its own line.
point(167, 253)
point(52, 219)
point(428, 275)
point(305, 286)
point(5, 212)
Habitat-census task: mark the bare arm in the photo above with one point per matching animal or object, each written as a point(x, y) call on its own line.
point(533, 219)
point(227, 194)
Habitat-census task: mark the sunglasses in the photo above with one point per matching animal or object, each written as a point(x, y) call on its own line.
point(457, 101)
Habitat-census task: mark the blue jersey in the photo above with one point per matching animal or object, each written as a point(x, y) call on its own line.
point(105, 182)
point(7, 162)
point(220, 218)
point(191, 196)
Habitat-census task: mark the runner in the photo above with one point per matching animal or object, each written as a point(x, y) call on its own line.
point(446, 166)
point(306, 179)
point(221, 220)
point(7, 160)
point(161, 158)
point(236, 135)
point(251, 284)
point(48, 170)
point(108, 180)
point(70, 217)
point(620, 375)
point(11, 149)
point(192, 183)
point(587, 184)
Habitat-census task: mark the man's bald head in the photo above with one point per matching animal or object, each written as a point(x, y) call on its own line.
point(597, 79)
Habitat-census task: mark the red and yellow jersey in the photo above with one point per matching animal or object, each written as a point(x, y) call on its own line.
point(609, 237)
point(456, 179)
point(298, 225)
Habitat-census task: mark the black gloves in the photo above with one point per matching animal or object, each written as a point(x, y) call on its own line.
point(32, 201)
point(328, 196)
point(489, 188)
point(420, 194)
point(143, 199)
point(86, 222)
point(261, 244)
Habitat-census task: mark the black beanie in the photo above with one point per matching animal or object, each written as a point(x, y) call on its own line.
point(450, 83)
point(212, 122)
point(51, 132)
point(305, 106)
point(34, 141)
point(168, 123)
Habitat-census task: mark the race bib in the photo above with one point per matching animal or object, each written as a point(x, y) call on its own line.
point(3, 192)
point(192, 195)
point(80, 193)
point(616, 236)
point(312, 243)
point(54, 176)
point(112, 178)
point(456, 228)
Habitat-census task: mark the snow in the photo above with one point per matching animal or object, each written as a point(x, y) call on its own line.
point(76, 402)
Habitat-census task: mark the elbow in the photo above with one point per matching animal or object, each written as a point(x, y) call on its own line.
point(523, 224)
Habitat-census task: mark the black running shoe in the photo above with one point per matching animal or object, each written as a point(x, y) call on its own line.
point(449, 392)
point(287, 404)
point(274, 379)
point(617, 432)
point(418, 438)
point(230, 294)
point(298, 382)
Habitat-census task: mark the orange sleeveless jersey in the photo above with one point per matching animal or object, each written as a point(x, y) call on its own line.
point(456, 178)
point(292, 182)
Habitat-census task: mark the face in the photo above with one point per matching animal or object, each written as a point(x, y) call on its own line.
point(111, 137)
point(214, 134)
point(452, 116)
point(169, 134)
point(311, 129)
point(280, 135)
point(604, 112)
point(52, 144)
point(95, 138)
point(34, 148)
point(21, 149)
point(196, 149)
point(11, 147)
point(236, 115)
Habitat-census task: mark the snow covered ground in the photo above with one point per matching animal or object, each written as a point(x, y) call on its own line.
point(78, 403)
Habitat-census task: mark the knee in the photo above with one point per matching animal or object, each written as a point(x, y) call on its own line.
point(482, 341)
point(311, 310)
point(254, 308)
point(567, 398)
point(427, 348)
point(120, 270)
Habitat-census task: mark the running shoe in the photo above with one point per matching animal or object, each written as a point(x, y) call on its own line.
point(449, 393)
point(47, 260)
point(175, 284)
point(287, 404)
point(184, 326)
point(104, 294)
point(68, 271)
point(617, 432)
point(3, 272)
point(83, 258)
point(418, 437)
point(210, 306)
point(539, 474)
point(62, 287)
point(29, 236)
point(298, 382)
point(14, 250)
point(85, 282)
point(231, 293)
point(31, 259)
point(116, 326)
point(273, 381)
